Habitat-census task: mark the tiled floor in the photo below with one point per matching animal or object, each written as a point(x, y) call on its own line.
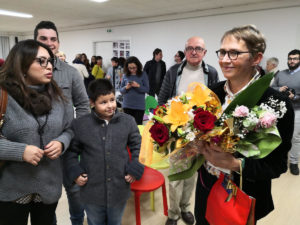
point(286, 194)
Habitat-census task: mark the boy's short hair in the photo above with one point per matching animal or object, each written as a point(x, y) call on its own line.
point(45, 25)
point(100, 87)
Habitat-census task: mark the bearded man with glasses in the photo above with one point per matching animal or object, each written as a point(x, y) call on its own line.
point(177, 80)
point(288, 82)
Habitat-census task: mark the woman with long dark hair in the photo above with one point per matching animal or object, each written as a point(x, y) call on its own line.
point(134, 86)
point(36, 134)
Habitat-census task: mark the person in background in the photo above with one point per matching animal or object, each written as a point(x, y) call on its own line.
point(177, 80)
point(97, 70)
point(115, 76)
point(61, 55)
point(288, 82)
point(78, 64)
point(134, 86)
point(36, 131)
point(272, 67)
point(179, 57)
point(156, 70)
point(104, 178)
point(69, 80)
point(241, 51)
point(93, 62)
point(85, 61)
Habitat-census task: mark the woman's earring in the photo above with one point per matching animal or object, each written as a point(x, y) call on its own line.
point(24, 75)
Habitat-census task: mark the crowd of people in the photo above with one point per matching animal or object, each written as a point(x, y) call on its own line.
point(58, 112)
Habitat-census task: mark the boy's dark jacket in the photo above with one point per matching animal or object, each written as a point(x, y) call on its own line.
point(104, 157)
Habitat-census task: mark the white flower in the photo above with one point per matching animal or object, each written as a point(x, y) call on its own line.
point(150, 116)
point(191, 114)
point(190, 136)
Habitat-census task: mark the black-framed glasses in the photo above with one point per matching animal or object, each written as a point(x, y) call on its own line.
point(44, 61)
point(197, 49)
point(293, 59)
point(232, 54)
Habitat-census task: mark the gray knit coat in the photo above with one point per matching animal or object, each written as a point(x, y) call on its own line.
point(104, 157)
point(19, 178)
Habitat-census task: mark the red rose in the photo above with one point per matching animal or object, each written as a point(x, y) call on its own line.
point(204, 120)
point(160, 133)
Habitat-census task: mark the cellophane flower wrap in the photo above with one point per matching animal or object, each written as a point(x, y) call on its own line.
point(243, 127)
point(173, 125)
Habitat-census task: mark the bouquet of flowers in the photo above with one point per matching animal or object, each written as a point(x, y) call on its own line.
point(251, 132)
point(183, 118)
point(243, 127)
point(173, 125)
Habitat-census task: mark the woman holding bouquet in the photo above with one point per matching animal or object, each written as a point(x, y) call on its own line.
point(241, 51)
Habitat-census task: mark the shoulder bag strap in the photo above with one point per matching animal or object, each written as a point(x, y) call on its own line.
point(3, 104)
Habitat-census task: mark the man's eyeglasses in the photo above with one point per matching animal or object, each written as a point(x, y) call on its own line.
point(293, 59)
point(197, 49)
point(44, 61)
point(232, 54)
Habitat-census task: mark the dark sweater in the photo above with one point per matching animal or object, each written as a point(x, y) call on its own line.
point(257, 173)
point(104, 157)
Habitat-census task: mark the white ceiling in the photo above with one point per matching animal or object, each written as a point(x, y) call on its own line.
point(85, 14)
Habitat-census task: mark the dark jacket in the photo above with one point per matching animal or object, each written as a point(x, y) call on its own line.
point(104, 157)
point(170, 83)
point(150, 69)
point(257, 173)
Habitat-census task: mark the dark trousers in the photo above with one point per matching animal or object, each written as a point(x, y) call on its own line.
point(137, 114)
point(17, 214)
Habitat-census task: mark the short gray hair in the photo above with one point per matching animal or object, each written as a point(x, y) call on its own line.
point(273, 60)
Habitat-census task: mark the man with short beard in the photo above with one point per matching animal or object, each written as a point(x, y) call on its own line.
point(288, 82)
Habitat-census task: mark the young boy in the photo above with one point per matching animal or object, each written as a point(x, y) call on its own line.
point(105, 170)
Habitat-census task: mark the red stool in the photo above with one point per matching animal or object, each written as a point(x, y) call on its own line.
point(150, 181)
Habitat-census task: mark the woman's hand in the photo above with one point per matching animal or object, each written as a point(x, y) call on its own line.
point(135, 84)
point(128, 85)
point(53, 149)
point(215, 155)
point(129, 178)
point(33, 154)
point(82, 179)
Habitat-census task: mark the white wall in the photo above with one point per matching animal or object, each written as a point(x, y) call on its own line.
point(281, 28)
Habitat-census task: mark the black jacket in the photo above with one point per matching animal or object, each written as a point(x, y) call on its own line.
point(257, 173)
point(150, 69)
point(169, 86)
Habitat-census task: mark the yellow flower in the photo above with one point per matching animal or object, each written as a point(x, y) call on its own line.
point(176, 115)
point(200, 95)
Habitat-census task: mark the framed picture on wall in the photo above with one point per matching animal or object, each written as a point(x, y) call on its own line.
point(115, 45)
point(121, 53)
point(127, 54)
point(115, 53)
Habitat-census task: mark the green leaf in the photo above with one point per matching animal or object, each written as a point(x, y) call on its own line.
point(251, 95)
point(197, 163)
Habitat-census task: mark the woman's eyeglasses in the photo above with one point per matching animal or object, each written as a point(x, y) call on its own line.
point(44, 61)
point(232, 54)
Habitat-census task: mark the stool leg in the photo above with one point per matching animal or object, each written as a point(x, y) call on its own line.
point(152, 200)
point(164, 195)
point(137, 195)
